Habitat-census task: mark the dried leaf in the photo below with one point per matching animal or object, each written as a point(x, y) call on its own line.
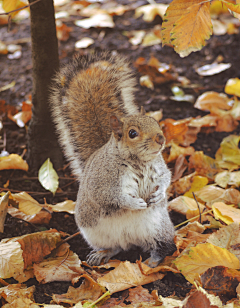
point(88, 290)
point(150, 11)
point(3, 210)
point(17, 291)
point(183, 184)
point(11, 260)
point(228, 178)
point(227, 237)
point(221, 281)
point(230, 150)
point(41, 218)
point(48, 176)
point(84, 42)
point(98, 20)
point(198, 299)
point(57, 269)
point(226, 213)
point(13, 161)
point(146, 81)
point(138, 295)
point(26, 203)
point(209, 101)
point(198, 259)
point(212, 69)
point(177, 150)
point(65, 206)
point(186, 206)
point(127, 275)
point(198, 183)
point(204, 165)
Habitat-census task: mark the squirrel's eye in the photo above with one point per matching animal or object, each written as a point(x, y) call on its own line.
point(132, 133)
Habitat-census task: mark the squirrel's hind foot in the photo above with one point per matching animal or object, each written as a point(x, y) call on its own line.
point(95, 257)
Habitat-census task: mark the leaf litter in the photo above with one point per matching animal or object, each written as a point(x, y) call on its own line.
point(200, 176)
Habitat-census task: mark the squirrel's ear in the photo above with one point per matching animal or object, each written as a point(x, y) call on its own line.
point(116, 126)
point(142, 111)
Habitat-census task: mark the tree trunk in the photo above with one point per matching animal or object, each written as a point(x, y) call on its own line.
point(42, 141)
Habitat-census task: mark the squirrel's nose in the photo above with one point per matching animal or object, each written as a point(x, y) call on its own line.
point(160, 139)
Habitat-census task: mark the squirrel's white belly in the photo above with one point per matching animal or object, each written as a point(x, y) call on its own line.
point(140, 228)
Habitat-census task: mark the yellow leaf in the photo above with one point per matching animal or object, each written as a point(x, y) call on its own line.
point(11, 260)
point(198, 259)
point(187, 26)
point(174, 12)
point(10, 5)
point(217, 8)
point(228, 178)
point(226, 213)
point(27, 204)
point(227, 237)
point(233, 86)
point(65, 206)
point(198, 183)
point(185, 205)
point(230, 150)
point(13, 161)
point(231, 6)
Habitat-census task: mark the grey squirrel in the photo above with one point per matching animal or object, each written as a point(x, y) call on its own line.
point(115, 151)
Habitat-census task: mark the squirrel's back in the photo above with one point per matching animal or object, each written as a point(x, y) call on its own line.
point(84, 95)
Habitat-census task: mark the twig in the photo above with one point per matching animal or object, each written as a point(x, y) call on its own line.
point(190, 219)
point(200, 218)
point(19, 9)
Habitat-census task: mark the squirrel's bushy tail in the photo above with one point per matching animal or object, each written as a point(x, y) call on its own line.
point(83, 96)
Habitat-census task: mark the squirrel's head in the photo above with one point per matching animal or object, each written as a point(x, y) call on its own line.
point(138, 136)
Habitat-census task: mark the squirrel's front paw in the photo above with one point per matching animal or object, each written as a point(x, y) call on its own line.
point(156, 197)
point(138, 204)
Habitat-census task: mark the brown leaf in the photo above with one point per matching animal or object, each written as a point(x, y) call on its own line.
point(43, 217)
point(204, 165)
point(198, 300)
point(221, 281)
point(138, 295)
point(127, 275)
point(88, 290)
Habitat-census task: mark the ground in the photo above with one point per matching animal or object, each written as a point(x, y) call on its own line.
point(19, 70)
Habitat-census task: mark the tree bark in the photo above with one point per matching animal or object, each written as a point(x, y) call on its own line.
point(42, 140)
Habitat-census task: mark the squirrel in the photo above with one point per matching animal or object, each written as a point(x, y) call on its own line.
point(115, 151)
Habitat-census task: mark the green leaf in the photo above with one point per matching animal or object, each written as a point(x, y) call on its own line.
point(48, 176)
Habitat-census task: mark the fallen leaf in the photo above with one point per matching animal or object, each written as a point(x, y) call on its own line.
point(191, 226)
point(13, 161)
point(233, 86)
point(183, 184)
point(88, 290)
point(181, 165)
point(26, 203)
point(227, 237)
point(84, 42)
point(146, 81)
point(41, 218)
point(197, 260)
point(226, 213)
point(198, 299)
point(204, 165)
point(48, 176)
point(98, 20)
point(229, 149)
point(226, 178)
point(157, 115)
point(7, 86)
point(65, 206)
point(213, 69)
point(57, 268)
point(151, 39)
point(150, 11)
point(179, 131)
point(221, 281)
point(186, 206)
point(3, 210)
point(17, 291)
point(209, 101)
point(11, 260)
point(138, 295)
point(127, 275)
point(198, 183)
point(177, 150)
point(62, 30)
